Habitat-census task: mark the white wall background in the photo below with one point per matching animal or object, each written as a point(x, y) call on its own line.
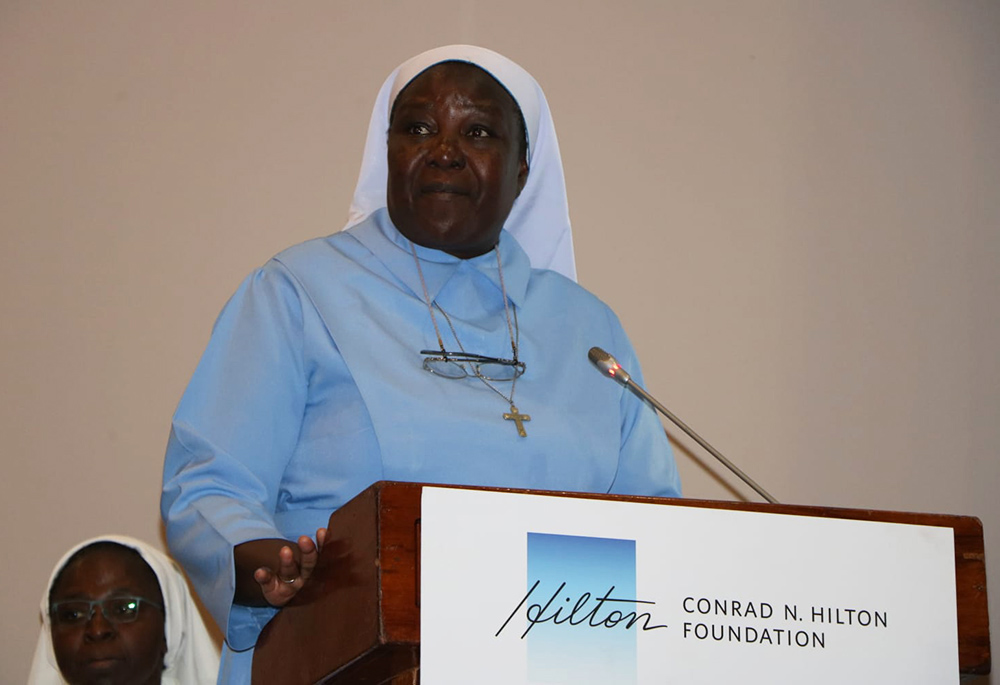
point(805, 196)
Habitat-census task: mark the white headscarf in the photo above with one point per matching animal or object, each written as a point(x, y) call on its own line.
point(540, 216)
point(192, 657)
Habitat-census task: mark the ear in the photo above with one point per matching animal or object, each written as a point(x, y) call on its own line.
point(163, 653)
point(522, 174)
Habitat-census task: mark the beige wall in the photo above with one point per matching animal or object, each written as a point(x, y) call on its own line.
point(803, 199)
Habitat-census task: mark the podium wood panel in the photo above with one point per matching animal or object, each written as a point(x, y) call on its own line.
point(357, 622)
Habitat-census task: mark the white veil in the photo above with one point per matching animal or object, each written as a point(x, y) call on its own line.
point(539, 219)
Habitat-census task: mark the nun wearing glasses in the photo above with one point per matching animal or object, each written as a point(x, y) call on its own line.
point(441, 337)
point(118, 611)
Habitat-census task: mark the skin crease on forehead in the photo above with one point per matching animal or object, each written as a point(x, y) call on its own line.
point(101, 652)
point(456, 159)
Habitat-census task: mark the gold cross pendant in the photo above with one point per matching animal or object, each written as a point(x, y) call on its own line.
point(518, 418)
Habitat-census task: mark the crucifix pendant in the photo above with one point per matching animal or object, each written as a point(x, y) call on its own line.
point(518, 418)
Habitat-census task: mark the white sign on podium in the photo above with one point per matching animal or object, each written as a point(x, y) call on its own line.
point(522, 588)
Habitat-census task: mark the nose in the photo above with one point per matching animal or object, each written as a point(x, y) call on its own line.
point(446, 152)
point(99, 627)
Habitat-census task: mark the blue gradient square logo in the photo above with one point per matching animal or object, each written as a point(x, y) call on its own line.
point(581, 610)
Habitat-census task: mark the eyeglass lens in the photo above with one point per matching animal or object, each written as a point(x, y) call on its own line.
point(445, 367)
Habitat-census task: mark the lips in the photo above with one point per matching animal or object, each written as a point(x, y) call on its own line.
point(439, 188)
point(104, 661)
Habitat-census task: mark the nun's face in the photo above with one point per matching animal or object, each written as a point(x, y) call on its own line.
point(456, 159)
point(103, 651)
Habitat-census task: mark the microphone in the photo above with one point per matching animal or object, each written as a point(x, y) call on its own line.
point(610, 367)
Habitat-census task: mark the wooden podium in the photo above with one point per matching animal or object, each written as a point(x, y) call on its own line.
point(357, 622)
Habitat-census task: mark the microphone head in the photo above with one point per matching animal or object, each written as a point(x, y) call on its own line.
point(608, 365)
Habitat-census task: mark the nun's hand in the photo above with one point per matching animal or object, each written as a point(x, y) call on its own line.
point(280, 569)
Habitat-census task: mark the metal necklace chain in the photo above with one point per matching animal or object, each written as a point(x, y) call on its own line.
point(512, 329)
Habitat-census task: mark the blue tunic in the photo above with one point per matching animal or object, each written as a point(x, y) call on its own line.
point(312, 388)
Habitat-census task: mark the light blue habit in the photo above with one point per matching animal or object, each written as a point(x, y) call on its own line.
point(312, 388)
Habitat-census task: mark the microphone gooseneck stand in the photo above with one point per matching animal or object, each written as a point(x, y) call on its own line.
point(611, 368)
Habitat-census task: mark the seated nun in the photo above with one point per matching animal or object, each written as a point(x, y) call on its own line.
point(118, 612)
